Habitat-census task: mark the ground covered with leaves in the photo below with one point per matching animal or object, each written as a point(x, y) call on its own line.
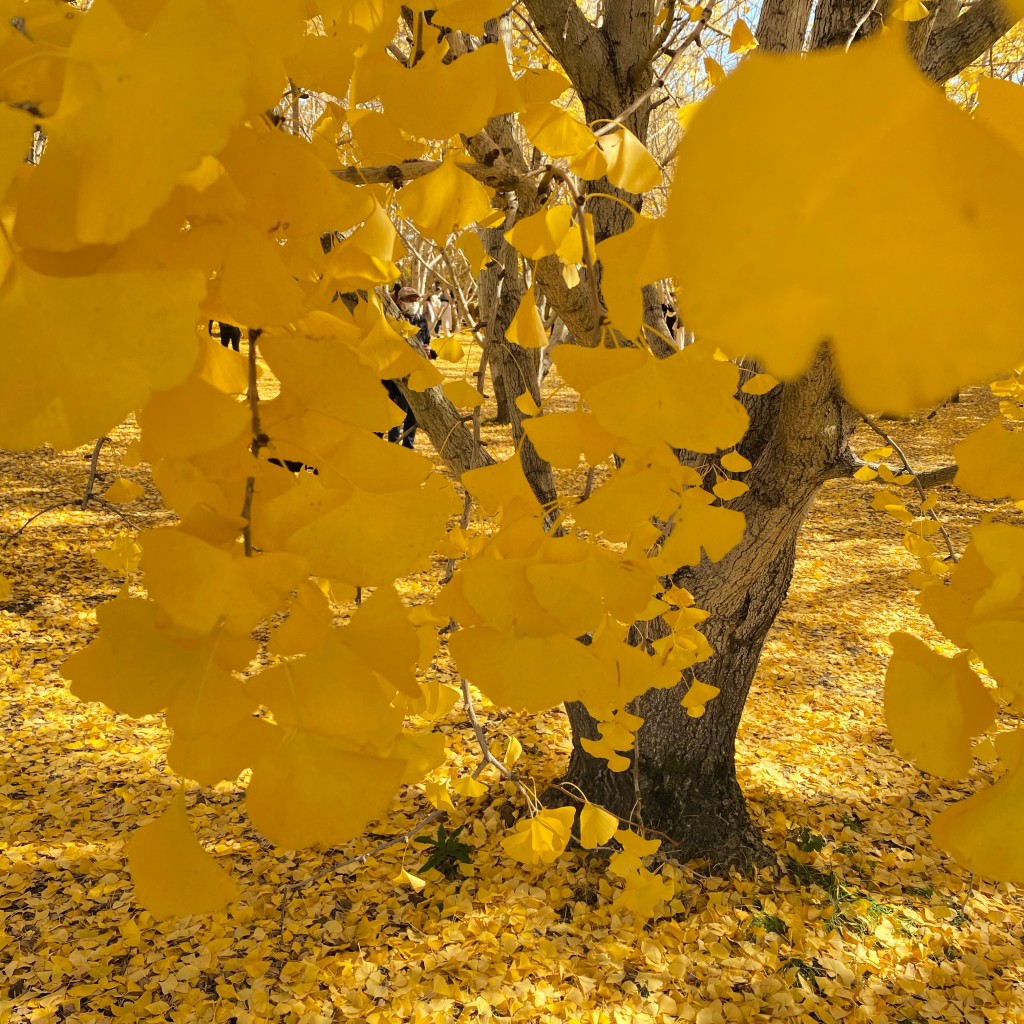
point(864, 920)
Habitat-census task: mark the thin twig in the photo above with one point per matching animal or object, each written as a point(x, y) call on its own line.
point(953, 557)
point(94, 462)
point(463, 524)
point(42, 512)
point(487, 757)
point(860, 24)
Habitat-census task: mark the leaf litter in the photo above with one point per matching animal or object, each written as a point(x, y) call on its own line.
point(868, 921)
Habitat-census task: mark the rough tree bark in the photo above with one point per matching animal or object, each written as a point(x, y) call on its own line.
point(682, 779)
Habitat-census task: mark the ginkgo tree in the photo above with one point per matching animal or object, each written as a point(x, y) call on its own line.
point(170, 192)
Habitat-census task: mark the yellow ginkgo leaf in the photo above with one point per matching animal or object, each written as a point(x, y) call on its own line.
point(527, 328)
point(436, 99)
point(513, 751)
point(382, 635)
point(173, 875)
point(728, 489)
point(189, 420)
point(133, 666)
point(311, 790)
point(450, 349)
point(542, 838)
point(444, 202)
point(630, 260)
point(714, 71)
point(541, 85)
point(541, 233)
point(322, 63)
point(201, 586)
point(735, 463)
point(526, 405)
point(697, 696)
point(759, 384)
point(414, 882)
point(660, 399)
point(555, 131)
point(468, 15)
point(934, 706)
point(529, 672)
point(123, 492)
point(110, 162)
point(467, 786)
point(561, 439)
point(6, 589)
point(460, 392)
point(806, 291)
point(472, 248)
point(980, 831)
point(308, 623)
point(909, 10)
point(701, 525)
point(991, 462)
point(288, 191)
point(328, 377)
point(597, 826)
point(96, 371)
point(741, 39)
point(369, 539)
point(379, 140)
point(122, 557)
point(629, 165)
point(439, 795)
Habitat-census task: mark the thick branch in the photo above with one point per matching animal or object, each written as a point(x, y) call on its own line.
point(927, 478)
point(580, 47)
point(953, 48)
point(783, 25)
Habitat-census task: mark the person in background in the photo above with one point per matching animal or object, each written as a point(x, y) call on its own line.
point(230, 335)
point(408, 301)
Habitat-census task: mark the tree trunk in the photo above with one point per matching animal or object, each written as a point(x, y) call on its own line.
point(684, 784)
point(682, 780)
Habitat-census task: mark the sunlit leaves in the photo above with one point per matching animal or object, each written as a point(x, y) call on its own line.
point(96, 371)
point(825, 258)
point(555, 130)
point(541, 233)
point(173, 874)
point(527, 328)
point(980, 831)
point(542, 838)
point(934, 706)
point(647, 400)
point(628, 165)
point(312, 789)
point(444, 202)
point(200, 586)
point(437, 100)
point(126, 126)
point(991, 462)
point(597, 826)
point(134, 666)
